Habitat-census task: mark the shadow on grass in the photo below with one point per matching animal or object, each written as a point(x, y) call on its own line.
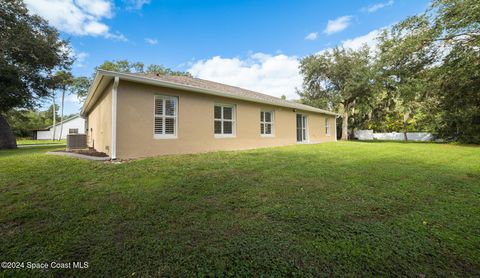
point(417, 142)
point(26, 150)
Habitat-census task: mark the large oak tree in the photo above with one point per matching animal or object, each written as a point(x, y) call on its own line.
point(29, 50)
point(436, 55)
point(337, 78)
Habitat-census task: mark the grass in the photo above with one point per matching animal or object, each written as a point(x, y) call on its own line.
point(24, 142)
point(334, 209)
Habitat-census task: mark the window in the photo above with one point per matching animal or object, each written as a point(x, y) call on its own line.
point(165, 120)
point(327, 126)
point(224, 122)
point(73, 131)
point(266, 123)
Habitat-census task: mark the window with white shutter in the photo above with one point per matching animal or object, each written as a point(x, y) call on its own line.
point(165, 117)
point(224, 120)
point(267, 123)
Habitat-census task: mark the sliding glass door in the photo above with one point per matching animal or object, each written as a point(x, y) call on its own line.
point(302, 132)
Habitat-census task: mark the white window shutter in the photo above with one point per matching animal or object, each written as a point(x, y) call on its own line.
point(165, 117)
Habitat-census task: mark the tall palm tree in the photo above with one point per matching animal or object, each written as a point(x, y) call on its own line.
point(54, 114)
point(63, 81)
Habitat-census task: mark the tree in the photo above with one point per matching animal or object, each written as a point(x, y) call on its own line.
point(121, 66)
point(29, 49)
point(80, 86)
point(337, 78)
point(139, 67)
point(459, 91)
point(50, 112)
point(433, 58)
point(61, 80)
point(23, 121)
point(404, 63)
point(159, 69)
point(458, 76)
point(55, 109)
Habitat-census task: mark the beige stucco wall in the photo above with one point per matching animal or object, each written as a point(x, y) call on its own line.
point(99, 121)
point(135, 104)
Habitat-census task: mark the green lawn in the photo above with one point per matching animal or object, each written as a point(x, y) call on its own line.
point(22, 142)
point(334, 209)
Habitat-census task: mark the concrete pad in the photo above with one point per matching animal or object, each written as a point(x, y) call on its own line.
point(81, 156)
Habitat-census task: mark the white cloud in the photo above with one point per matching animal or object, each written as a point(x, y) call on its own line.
point(151, 41)
point(375, 7)
point(337, 25)
point(136, 4)
point(72, 99)
point(72, 53)
point(98, 8)
point(312, 36)
point(96, 28)
point(275, 75)
point(82, 17)
point(80, 59)
point(116, 36)
point(369, 39)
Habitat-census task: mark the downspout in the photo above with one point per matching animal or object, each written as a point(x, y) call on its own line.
point(114, 118)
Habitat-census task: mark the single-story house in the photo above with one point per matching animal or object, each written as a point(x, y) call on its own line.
point(72, 125)
point(133, 115)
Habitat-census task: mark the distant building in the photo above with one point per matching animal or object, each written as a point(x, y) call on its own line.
point(71, 125)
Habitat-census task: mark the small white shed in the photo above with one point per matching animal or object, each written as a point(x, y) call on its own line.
point(71, 125)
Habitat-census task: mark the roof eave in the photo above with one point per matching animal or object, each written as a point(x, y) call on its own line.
point(91, 92)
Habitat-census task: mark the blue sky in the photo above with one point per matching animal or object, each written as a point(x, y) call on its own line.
point(251, 44)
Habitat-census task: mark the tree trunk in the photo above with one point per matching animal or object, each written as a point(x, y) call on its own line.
point(7, 138)
point(353, 120)
point(406, 116)
point(61, 116)
point(54, 117)
point(345, 123)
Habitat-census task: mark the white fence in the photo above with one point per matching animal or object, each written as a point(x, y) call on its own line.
point(395, 136)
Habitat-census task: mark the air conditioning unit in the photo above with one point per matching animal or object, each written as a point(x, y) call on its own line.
point(76, 141)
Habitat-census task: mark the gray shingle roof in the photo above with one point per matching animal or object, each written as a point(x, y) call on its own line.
point(229, 90)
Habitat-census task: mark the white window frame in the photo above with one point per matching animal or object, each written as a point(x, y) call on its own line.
point(233, 120)
point(327, 126)
point(165, 136)
point(263, 122)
